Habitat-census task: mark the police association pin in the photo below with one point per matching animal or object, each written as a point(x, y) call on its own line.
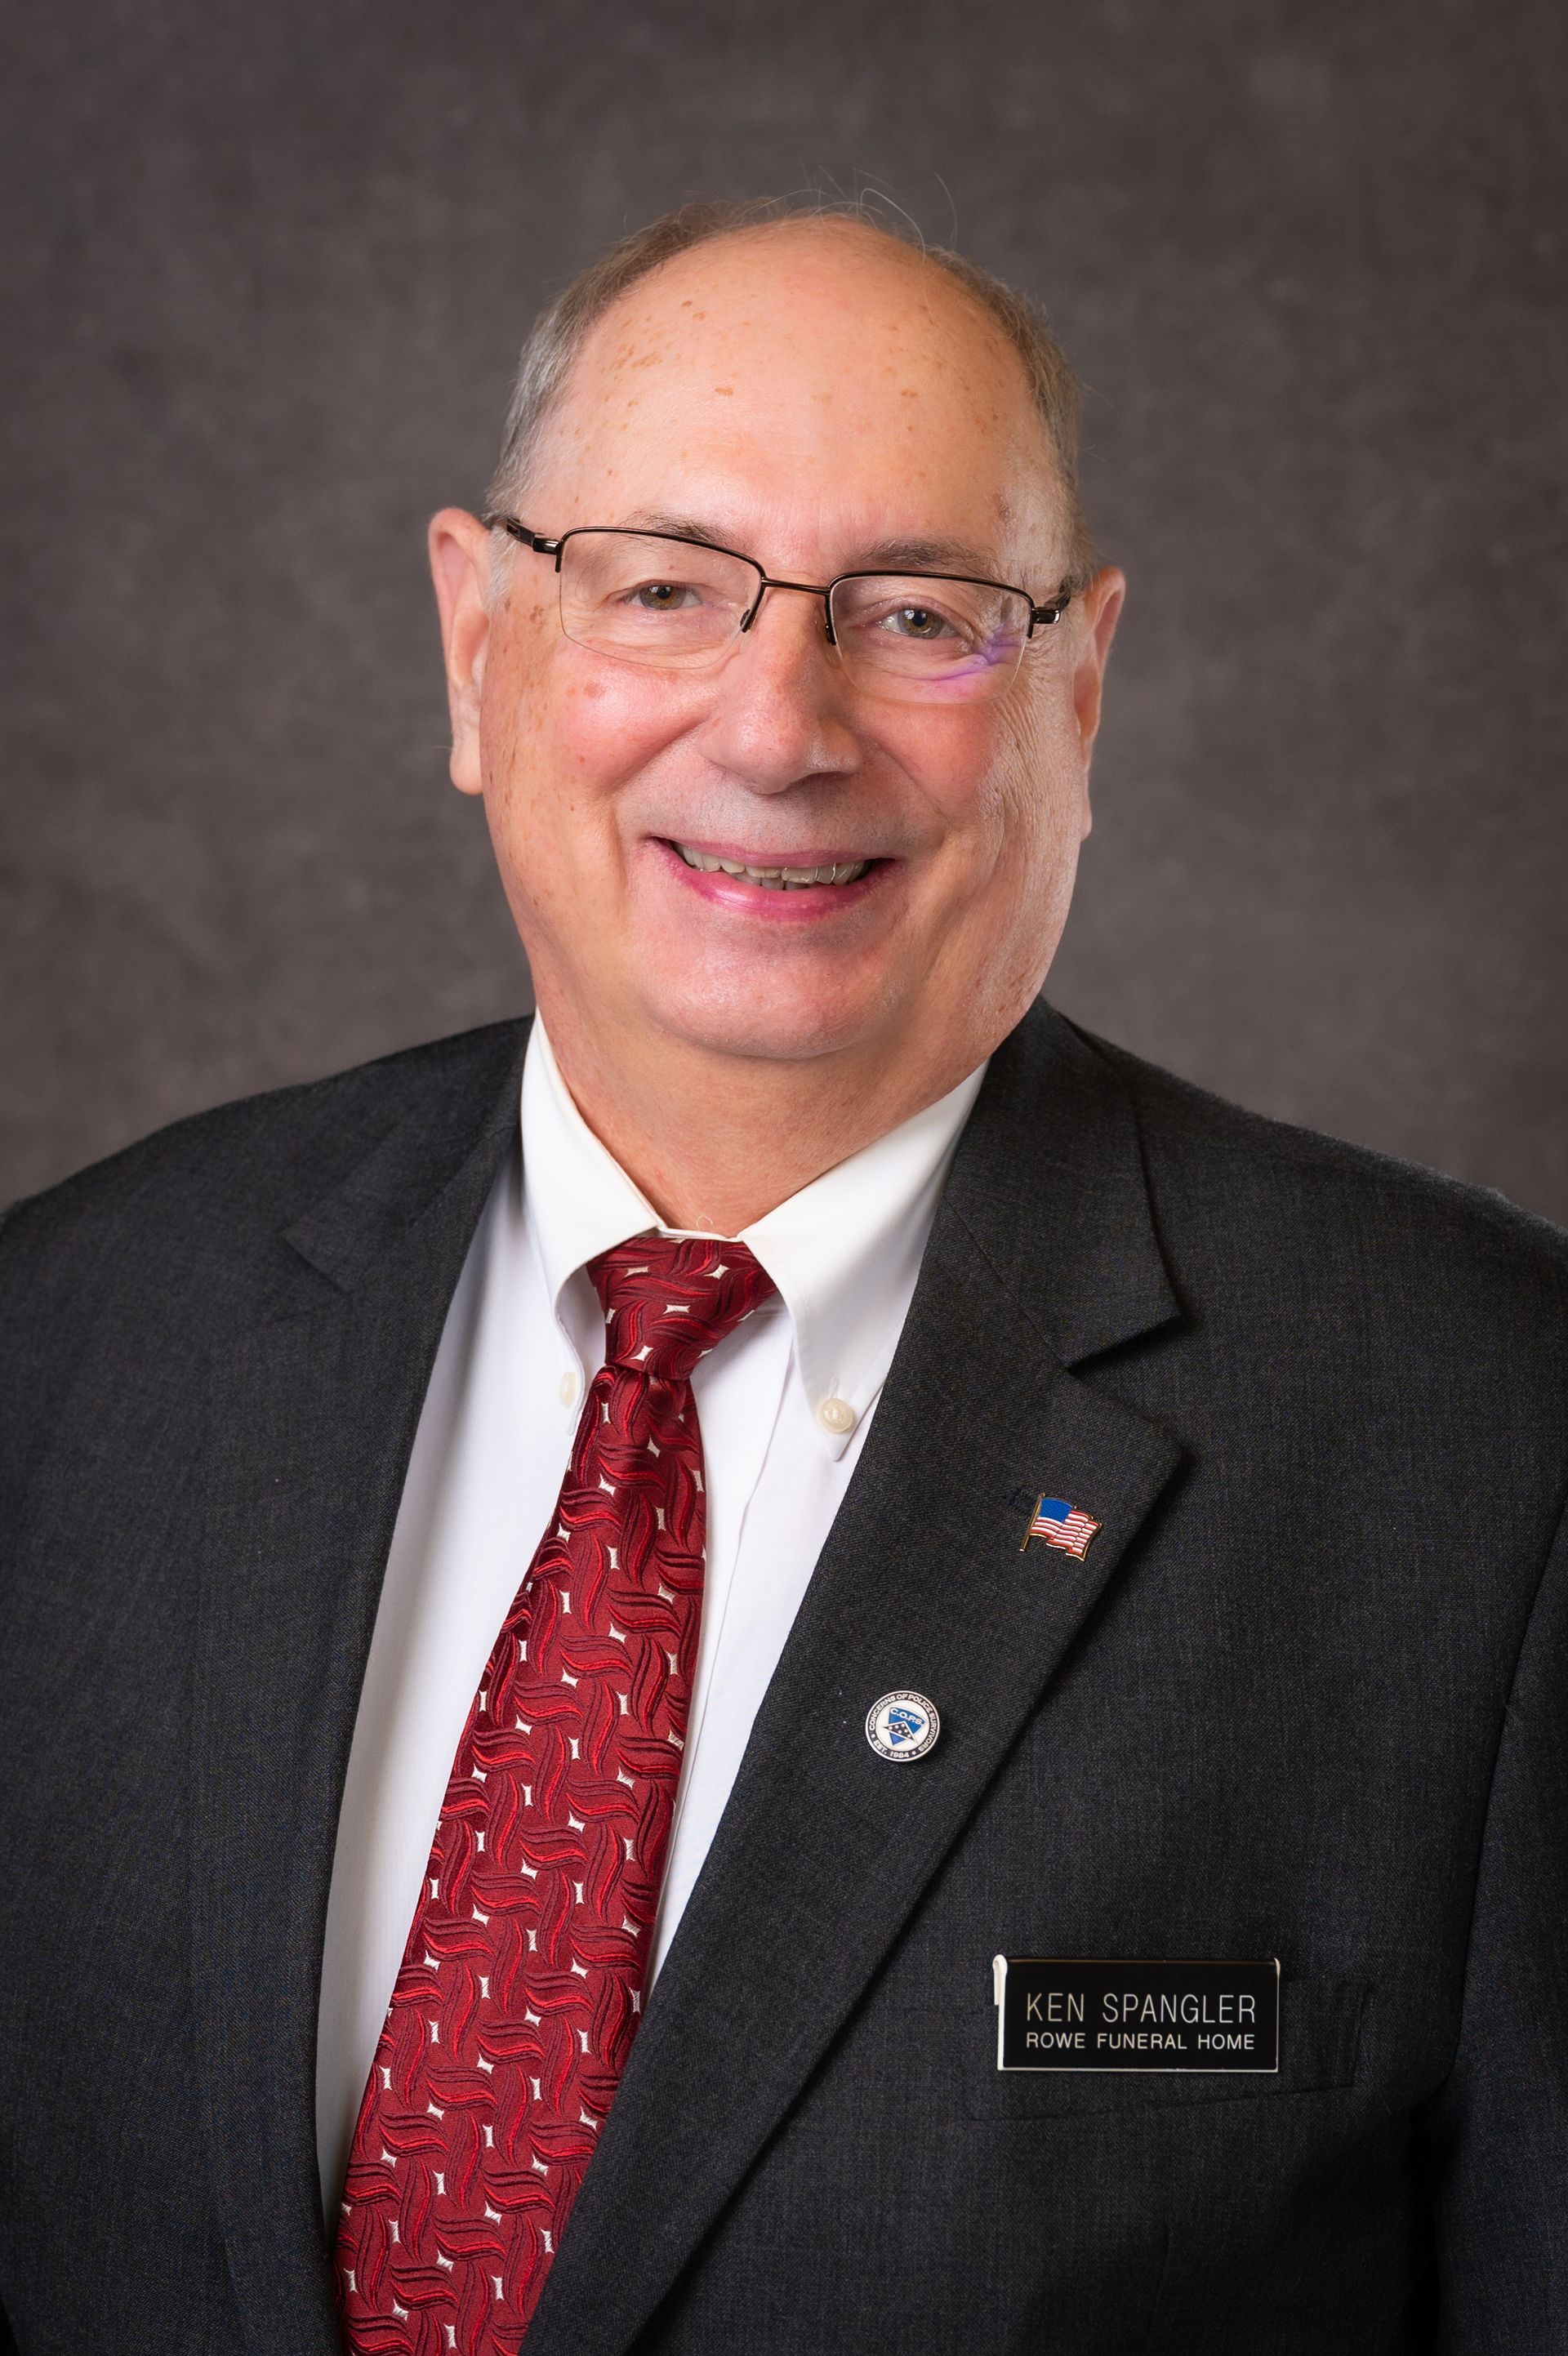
point(902, 1726)
point(1061, 1526)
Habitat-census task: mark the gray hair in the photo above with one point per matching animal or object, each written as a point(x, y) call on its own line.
point(561, 330)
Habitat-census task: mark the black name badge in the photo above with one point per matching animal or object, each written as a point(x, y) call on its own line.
point(1072, 2013)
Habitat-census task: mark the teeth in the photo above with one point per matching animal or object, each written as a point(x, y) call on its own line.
point(775, 879)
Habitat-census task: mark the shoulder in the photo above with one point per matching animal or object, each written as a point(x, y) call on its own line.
point(1228, 1162)
point(1340, 1240)
point(199, 1207)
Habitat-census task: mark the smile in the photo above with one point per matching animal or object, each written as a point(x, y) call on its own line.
point(774, 879)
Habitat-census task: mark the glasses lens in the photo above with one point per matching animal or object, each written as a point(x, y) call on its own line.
point(646, 599)
point(917, 635)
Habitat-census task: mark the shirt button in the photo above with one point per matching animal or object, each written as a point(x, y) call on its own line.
point(568, 1389)
point(836, 1415)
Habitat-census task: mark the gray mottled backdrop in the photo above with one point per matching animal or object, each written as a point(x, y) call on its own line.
point(266, 267)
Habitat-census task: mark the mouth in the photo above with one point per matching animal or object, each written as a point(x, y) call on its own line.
point(782, 877)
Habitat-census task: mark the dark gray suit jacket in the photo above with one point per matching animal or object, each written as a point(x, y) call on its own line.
point(1303, 1698)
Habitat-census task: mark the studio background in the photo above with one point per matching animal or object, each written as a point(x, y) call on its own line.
point(266, 271)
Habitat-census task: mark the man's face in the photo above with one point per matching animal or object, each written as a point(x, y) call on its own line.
point(812, 397)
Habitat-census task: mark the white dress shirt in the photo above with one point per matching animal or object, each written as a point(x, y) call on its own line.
point(784, 1403)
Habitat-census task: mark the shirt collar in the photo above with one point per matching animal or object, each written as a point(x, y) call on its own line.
point(843, 1252)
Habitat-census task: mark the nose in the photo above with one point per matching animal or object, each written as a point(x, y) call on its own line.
point(780, 714)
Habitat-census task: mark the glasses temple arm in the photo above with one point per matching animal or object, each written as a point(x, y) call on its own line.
point(493, 520)
point(1052, 609)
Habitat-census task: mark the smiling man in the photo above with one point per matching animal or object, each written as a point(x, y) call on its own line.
point(794, 1654)
point(788, 826)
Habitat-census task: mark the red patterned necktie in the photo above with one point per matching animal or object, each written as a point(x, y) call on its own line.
point(521, 1985)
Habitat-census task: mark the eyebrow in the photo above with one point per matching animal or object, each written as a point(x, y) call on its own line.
point(914, 554)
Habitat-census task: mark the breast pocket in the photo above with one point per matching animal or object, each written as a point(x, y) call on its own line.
point(1320, 2035)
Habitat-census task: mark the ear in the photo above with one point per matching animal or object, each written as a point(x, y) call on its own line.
point(1101, 603)
point(460, 567)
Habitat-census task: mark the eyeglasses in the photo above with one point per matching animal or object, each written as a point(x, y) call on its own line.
point(681, 604)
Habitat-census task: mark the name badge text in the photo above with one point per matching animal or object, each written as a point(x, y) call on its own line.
point(1078, 2013)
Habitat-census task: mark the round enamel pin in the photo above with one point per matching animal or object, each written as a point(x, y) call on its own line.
point(902, 1726)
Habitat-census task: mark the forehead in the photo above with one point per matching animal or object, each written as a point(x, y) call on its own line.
point(807, 378)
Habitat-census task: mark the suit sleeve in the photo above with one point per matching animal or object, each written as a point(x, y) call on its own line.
point(1498, 2128)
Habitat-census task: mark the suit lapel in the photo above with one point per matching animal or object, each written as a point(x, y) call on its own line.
point(1043, 1254)
point(312, 1413)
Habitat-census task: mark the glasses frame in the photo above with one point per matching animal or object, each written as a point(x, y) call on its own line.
point(1041, 616)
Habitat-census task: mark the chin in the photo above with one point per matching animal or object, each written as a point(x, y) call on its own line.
point(782, 1029)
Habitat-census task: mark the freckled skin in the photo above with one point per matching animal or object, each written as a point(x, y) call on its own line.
point(725, 1057)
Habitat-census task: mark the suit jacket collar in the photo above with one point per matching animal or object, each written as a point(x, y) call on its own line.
point(444, 1148)
point(1049, 1183)
point(310, 1413)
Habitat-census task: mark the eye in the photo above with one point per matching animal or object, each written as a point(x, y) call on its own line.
point(664, 596)
point(922, 623)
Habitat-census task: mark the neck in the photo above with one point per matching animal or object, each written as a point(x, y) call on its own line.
point(715, 1141)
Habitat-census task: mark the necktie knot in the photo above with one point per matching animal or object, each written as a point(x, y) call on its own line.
point(668, 1300)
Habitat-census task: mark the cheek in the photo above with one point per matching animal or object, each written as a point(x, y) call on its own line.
point(605, 721)
point(991, 775)
point(955, 759)
point(1042, 770)
point(562, 733)
point(1004, 788)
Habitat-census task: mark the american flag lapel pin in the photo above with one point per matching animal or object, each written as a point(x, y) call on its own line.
point(1061, 1526)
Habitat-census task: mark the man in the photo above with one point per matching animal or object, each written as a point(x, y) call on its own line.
point(901, 1681)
